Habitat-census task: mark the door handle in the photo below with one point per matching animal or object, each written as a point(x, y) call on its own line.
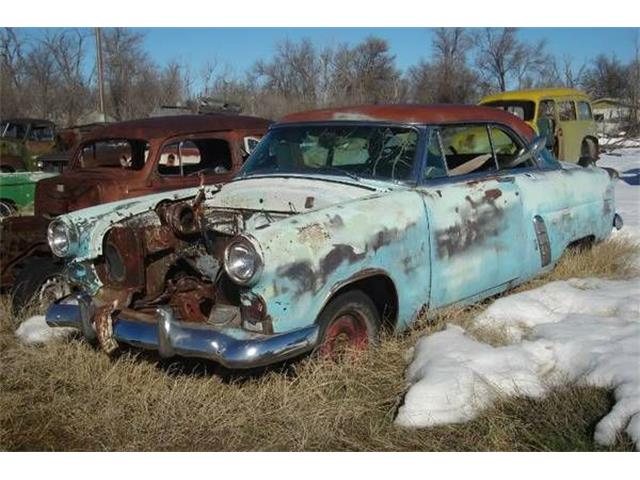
point(506, 179)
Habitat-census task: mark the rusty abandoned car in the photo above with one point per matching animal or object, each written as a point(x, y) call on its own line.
point(341, 222)
point(122, 160)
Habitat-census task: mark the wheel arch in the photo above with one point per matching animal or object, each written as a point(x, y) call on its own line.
point(378, 285)
point(596, 144)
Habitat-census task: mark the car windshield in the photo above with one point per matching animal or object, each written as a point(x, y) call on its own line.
point(113, 153)
point(13, 130)
point(525, 110)
point(364, 150)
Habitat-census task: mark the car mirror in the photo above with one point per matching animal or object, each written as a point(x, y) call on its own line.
point(250, 144)
point(537, 144)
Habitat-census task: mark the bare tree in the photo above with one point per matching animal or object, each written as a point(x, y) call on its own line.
point(41, 80)
point(366, 73)
point(293, 72)
point(130, 75)
point(502, 59)
point(11, 72)
point(634, 87)
point(66, 49)
point(607, 77)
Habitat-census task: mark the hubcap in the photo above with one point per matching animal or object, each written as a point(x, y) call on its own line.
point(346, 332)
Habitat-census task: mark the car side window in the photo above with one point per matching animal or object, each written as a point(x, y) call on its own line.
point(435, 167)
point(547, 109)
point(506, 148)
point(211, 156)
point(584, 111)
point(567, 110)
point(42, 134)
point(467, 149)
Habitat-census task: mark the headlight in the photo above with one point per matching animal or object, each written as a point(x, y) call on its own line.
point(243, 260)
point(62, 238)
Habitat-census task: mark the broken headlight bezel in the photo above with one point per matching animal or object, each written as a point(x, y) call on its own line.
point(243, 260)
point(62, 238)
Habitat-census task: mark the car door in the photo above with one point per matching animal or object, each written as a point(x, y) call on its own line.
point(475, 217)
point(568, 130)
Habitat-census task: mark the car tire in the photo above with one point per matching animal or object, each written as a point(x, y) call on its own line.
point(7, 209)
point(41, 282)
point(587, 154)
point(349, 321)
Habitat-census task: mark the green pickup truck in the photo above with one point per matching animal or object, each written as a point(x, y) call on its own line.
point(22, 141)
point(17, 191)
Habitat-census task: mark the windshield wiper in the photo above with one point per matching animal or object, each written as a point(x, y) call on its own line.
point(340, 171)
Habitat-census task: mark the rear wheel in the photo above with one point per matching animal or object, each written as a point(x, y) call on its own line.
point(587, 154)
point(40, 283)
point(349, 322)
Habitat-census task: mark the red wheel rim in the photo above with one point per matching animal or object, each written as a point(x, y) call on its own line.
point(348, 331)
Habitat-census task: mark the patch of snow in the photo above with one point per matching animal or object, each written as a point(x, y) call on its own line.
point(619, 142)
point(627, 162)
point(34, 331)
point(454, 377)
point(558, 301)
point(582, 331)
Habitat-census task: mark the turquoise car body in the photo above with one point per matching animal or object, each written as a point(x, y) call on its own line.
point(434, 243)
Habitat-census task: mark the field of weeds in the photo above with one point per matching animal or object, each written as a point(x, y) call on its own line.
point(69, 396)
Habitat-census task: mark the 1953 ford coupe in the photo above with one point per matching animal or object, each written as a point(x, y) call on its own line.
point(341, 222)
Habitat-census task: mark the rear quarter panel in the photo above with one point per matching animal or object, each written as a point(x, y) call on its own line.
point(574, 203)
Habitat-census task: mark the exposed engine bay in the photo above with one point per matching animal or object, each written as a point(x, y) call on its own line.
point(174, 256)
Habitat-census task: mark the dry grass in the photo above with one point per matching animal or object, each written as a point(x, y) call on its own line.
point(68, 396)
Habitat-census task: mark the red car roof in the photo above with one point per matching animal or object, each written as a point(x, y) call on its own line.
point(419, 114)
point(160, 127)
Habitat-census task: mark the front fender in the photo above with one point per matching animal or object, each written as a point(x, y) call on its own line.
point(93, 223)
point(308, 256)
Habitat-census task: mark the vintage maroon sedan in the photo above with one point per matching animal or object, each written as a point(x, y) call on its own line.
point(120, 161)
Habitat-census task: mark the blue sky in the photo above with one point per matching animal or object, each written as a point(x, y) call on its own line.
point(239, 48)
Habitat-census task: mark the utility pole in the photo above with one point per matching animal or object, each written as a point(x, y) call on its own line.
point(100, 72)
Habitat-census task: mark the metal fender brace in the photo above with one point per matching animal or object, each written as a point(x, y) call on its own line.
point(108, 304)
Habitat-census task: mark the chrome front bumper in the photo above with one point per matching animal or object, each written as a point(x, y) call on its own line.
point(171, 337)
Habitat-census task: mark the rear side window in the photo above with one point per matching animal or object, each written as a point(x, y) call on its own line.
point(127, 154)
point(192, 157)
point(520, 108)
point(567, 111)
point(584, 111)
point(467, 149)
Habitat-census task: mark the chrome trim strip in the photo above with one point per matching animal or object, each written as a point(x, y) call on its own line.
point(171, 337)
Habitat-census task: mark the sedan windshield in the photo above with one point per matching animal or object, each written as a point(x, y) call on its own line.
point(373, 151)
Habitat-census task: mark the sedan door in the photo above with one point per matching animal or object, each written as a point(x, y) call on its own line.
point(475, 216)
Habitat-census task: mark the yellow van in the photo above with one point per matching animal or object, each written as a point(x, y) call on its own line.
point(562, 114)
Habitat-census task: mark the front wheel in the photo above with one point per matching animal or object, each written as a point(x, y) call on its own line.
point(349, 322)
point(587, 154)
point(7, 209)
point(40, 283)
